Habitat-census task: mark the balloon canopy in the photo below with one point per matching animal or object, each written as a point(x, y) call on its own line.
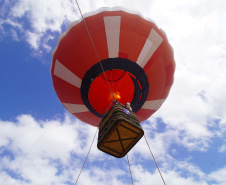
point(120, 56)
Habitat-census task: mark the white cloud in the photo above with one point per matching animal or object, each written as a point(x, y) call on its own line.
point(218, 176)
point(222, 148)
point(38, 20)
point(14, 35)
point(197, 98)
point(171, 177)
point(33, 39)
point(12, 23)
point(52, 152)
point(44, 15)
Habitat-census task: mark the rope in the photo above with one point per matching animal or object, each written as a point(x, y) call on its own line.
point(86, 157)
point(154, 160)
point(98, 101)
point(129, 169)
point(28, 152)
point(137, 166)
point(131, 93)
point(95, 49)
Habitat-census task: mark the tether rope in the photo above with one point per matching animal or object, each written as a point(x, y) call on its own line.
point(137, 166)
point(86, 157)
point(98, 101)
point(28, 152)
point(129, 169)
point(131, 93)
point(95, 49)
point(154, 160)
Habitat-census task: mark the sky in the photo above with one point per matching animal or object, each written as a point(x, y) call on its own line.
point(42, 144)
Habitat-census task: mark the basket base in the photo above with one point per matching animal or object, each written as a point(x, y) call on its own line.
point(120, 139)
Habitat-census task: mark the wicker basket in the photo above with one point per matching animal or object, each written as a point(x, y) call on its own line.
point(119, 131)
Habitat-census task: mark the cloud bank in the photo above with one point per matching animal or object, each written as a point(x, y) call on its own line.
point(52, 152)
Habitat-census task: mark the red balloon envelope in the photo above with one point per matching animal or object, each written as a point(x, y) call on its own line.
point(127, 57)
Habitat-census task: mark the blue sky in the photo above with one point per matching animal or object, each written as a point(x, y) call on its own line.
point(41, 143)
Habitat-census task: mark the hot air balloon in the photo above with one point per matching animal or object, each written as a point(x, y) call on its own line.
point(112, 55)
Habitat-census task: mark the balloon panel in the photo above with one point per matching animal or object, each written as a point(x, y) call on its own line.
point(129, 43)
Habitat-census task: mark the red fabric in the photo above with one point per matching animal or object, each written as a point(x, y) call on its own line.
point(75, 51)
point(100, 96)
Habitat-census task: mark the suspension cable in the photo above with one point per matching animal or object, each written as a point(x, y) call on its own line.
point(24, 156)
point(86, 157)
point(137, 166)
point(95, 49)
point(154, 160)
point(129, 169)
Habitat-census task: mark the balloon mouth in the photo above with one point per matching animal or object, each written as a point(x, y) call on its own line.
point(111, 85)
point(121, 78)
